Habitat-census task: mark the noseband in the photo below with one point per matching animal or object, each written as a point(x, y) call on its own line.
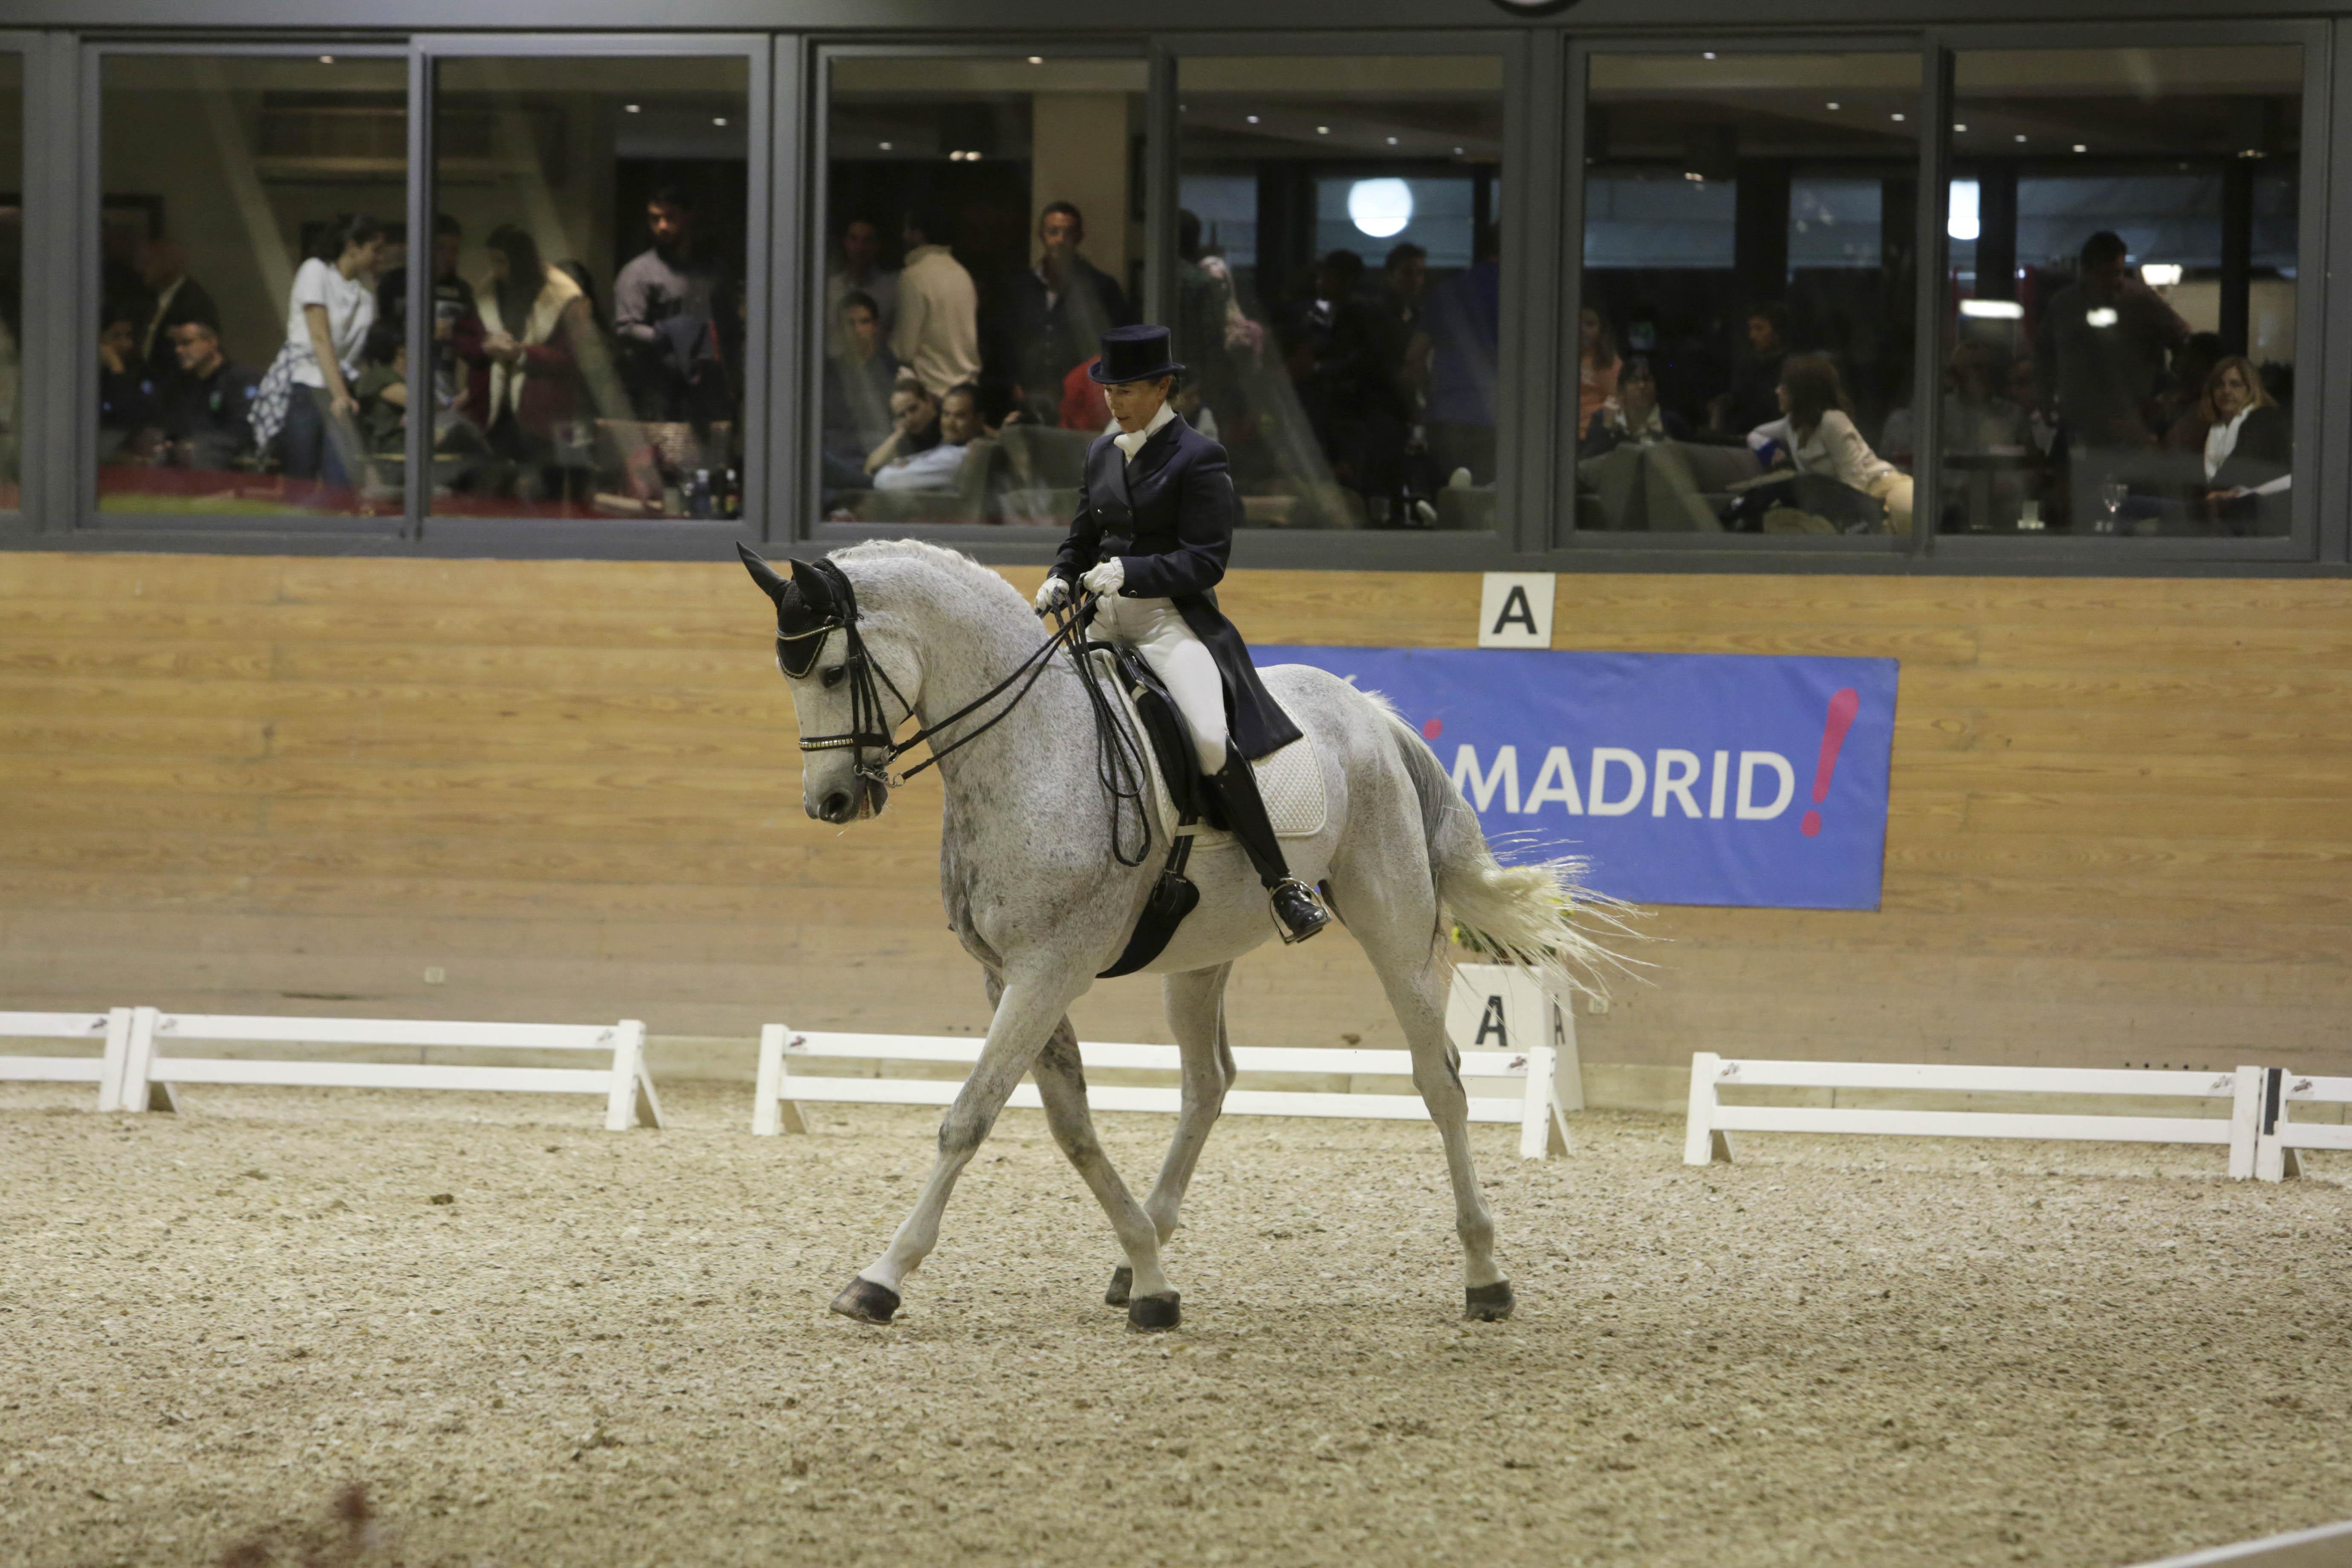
point(869, 724)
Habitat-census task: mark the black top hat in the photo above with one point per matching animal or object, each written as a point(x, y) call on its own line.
point(1133, 353)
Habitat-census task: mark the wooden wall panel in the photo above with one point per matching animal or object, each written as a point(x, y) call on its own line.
point(2121, 829)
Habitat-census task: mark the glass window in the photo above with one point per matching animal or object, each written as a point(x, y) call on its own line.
point(1744, 343)
point(1338, 282)
point(588, 287)
point(249, 208)
point(983, 226)
point(2120, 354)
point(12, 272)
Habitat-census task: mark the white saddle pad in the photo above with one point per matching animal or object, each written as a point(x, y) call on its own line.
point(1289, 780)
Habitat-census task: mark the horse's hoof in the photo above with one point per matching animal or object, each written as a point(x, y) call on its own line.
point(866, 1302)
point(1122, 1280)
point(1151, 1313)
point(1488, 1303)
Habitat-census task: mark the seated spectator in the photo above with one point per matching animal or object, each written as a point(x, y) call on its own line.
point(1057, 311)
point(382, 390)
point(1633, 457)
point(2249, 447)
point(1596, 365)
point(208, 404)
point(937, 334)
point(1753, 398)
point(2182, 408)
point(861, 273)
point(914, 425)
point(859, 378)
point(936, 468)
point(126, 394)
point(1083, 407)
point(1815, 434)
point(174, 298)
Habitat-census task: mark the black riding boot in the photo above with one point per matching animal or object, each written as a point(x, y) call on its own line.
point(1295, 907)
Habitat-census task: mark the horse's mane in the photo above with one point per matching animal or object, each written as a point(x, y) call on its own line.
point(916, 552)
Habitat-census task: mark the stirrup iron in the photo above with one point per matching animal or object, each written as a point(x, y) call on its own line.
point(1306, 915)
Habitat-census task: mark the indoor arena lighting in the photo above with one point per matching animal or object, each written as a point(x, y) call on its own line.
point(2105, 316)
point(1379, 207)
point(2160, 274)
point(1992, 310)
point(1961, 217)
point(633, 108)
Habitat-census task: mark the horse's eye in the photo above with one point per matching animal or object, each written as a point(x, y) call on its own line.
point(833, 677)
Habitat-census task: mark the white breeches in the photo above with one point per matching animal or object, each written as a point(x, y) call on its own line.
point(1156, 629)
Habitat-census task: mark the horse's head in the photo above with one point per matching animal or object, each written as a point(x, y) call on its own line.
point(846, 673)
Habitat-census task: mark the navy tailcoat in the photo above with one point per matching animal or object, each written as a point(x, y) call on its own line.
point(1169, 517)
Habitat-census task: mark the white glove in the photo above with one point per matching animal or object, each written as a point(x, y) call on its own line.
point(1105, 578)
point(1054, 592)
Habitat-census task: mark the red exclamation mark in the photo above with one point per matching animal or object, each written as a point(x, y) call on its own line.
point(1843, 708)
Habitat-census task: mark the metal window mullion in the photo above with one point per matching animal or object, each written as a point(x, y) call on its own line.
point(1930, 249)
point(1161, 165)
point(1555, 456)
point(2323, 232)
point(778, 321)
point(416, 457)
point(48, 313)
point(1532, 136)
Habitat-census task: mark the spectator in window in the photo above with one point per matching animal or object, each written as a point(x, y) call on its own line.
point(1057, 311)
point(456, 317)
point(1596, 365)
point(936, 468)
point(1816, 434)
point(937, 334)
point(1754, 396)
point(2181, 412)
point(914, 425)
point(861, 272)
point(305, 400)
point(208, 403)
point(670, 280)
point(1212, 334)
point(535, 320)
point(1633, 457)
point(1458, 362)
point(1976, 417)
point(126, 394)
point(1327, 350)
point(176, 297)
point(2103, 344)
point(858, 381)
point(2249, 448)
point(382, 390)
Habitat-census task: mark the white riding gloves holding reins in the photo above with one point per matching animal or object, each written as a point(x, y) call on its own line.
point(1107, 578)
point(1052, 595)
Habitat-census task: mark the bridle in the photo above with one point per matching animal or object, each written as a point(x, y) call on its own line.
point(870, 725)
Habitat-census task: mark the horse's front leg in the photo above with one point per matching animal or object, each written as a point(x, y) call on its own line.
point(1025, 1015)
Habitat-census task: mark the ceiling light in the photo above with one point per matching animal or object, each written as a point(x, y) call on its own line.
point(973, 156)
point(2251, 152)
point(1694, 176)
point(1036, 60)
point(1251, 118)
point(2080, 147)
point(1457, 152)
point(2105, 316)
point(718, 120)
point(1897, 117)
point(2021, 136)
point(1959, 128)
point(1391, 140)
point(884, 145)
point(2160, 274)
point(1322, 131)
point(326, 59)
point(1379, 207)
point(1708, 55)
point(632, 109)
point(1833, 106)
point(1992, 310)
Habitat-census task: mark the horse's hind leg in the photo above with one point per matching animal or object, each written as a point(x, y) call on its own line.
point(1196, 1014)
point(1396, 933)
point(1062, 1087)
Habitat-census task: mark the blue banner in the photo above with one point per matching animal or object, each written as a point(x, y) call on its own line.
point(1683, 778)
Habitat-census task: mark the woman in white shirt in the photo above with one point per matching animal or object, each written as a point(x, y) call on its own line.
point(332, 305)
point(1817, 435)
point(2249, 448)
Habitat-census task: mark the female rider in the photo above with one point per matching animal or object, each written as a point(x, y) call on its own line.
point(1155, 521)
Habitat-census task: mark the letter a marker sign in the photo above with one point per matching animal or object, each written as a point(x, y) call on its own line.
point(1515, 609)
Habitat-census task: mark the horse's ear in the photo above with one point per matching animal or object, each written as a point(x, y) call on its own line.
point(816, 592)
point(762, 573)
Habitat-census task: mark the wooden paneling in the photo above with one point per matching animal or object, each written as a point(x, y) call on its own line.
point(2121, 829)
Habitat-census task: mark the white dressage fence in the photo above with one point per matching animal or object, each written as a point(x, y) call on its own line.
point(153, 1061)
point(2279, 1137)
point(2238, 1131)
point(110, 1030)
point(1535, 1107)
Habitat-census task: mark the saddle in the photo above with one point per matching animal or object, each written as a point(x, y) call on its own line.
point(1184, 806)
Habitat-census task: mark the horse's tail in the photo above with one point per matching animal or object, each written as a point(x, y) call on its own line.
point(1536, 916)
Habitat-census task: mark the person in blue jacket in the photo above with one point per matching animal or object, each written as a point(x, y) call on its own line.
point(1155, 521)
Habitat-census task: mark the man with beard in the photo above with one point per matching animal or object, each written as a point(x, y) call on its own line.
point(1058, 310)
point(671, 279)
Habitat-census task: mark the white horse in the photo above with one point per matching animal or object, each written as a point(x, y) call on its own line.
point(1035, 894)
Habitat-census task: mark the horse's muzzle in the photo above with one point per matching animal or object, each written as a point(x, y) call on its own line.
point(866, 799)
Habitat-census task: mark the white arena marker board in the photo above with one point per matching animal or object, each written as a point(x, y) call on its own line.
point(623, 1081)
point(1535, 1107)
point(111, 1029)
point(2274, 1155)
point(1710, 1118)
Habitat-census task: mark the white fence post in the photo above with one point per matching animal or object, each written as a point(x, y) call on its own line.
point(141, 1091)
point(632, 1099)
point(2245, 1122)
point(771, 1112)
point(1543, 1130)
point(1703, 1143)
